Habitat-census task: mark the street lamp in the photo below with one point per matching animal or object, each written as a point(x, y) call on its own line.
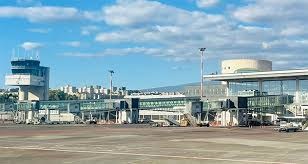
point(201, 67)
point(111, 73)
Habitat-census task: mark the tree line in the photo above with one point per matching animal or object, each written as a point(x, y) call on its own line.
point(56, 95)
point(8, 98)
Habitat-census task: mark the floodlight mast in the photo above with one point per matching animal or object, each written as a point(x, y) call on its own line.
point(111, 88)
point(201, 67)
point(201, 82)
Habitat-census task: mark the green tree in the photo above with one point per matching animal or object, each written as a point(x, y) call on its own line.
point(8, 97)
point(56, 95)
point(71, 97)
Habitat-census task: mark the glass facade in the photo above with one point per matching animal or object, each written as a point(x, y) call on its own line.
point(96, 106)
point(27, 67)
point(7, 106)
point(212, 105)
point(209, 90)
point(25, 63)
point(160, 117)
point(280, 87)
point(84, 105)
point(276, 95)
point(161, 103)
point(303, 86)
point(269, 104)
point(61, 105)
point(236, 87)
point(2, 107)
point(26, 106)
point(25, 72)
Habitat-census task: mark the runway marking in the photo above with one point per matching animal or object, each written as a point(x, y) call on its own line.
point(200, 150)
point(141, 154)
point(137, 148)
point(249, 142)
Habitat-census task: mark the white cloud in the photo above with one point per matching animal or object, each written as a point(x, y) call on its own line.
point(142, 12)
point(206, 3)
point(95, 16)
point(263, 29)
point(31, 45)
point(287, 44)
point(72, 43)
point(82, 54)
point(87, 30)
point(273, 11)
point(49, 13)
point(176, 34)
point(29, 2)
point(167, 23)
point(265, 45)
point(295, 30)
point(179, 36)
point(168, 54)
point(123, 36)
point(40, 30)
point(116, 52)
point(37, 14)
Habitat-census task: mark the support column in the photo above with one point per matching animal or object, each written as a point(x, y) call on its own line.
point(225, 123)
point(131, 116)
point(208, 110)
point(297, 94)
point(108, 115)
point(237, 117)
point(116, 116)
point(23, 93)
point(260, 83)
point(120, 117)
point(228, 88)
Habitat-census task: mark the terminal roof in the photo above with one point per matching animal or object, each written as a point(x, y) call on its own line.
point(255, 76)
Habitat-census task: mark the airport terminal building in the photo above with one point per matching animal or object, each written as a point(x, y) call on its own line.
point(246, 90)
point(265, 93)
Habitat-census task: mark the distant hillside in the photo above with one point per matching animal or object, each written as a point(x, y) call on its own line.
point(177, 88)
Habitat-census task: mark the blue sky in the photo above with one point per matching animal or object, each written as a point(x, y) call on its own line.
point(150, 43)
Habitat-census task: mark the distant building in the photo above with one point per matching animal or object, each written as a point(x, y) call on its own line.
point(93, 92)
point(69, 89)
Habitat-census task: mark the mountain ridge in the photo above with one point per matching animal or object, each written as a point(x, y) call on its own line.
point(174, 88)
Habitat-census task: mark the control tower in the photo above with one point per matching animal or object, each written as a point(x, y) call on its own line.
point(31, 78)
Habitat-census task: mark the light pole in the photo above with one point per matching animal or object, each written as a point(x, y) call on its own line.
point(201, 83)
point(208, 110)
point(110, 93)
point(201, 67)
point(111, 73)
